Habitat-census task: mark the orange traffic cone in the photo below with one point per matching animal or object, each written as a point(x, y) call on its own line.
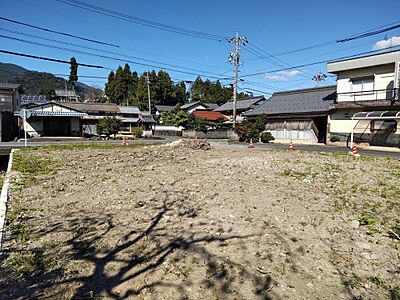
point(291, 147)
point(123, 141)
point(251, 144)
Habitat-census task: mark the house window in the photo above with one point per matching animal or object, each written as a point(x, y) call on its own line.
point(363, 85)
point(381, 126)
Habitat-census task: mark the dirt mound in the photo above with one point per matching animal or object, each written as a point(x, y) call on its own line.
point(195, 144)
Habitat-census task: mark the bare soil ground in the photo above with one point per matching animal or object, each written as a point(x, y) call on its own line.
point(170, 222)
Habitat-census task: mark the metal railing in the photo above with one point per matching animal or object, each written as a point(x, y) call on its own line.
point(390, 95)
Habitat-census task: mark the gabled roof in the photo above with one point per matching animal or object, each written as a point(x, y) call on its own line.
point(11, 86)
point(38, 111)
point(65, 93)
point(192, 104)
point(211, 106)
point(309, 100)
point(244, 104)
point(92, 107)
point(162, 108)
point(145, 118)
point(210, 115)
point(129, 110)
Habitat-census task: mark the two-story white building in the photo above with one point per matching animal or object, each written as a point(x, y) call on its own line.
point(367, 106)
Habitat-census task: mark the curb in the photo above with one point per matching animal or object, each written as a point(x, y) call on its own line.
point(4, 198)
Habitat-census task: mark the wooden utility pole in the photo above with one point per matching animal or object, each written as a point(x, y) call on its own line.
point(148, 90)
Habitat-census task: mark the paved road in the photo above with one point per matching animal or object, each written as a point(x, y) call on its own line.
point(391, 153)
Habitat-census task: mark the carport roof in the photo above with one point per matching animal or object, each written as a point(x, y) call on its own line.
point(377, 115)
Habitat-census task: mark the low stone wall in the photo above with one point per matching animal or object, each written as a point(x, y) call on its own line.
point(210, 134)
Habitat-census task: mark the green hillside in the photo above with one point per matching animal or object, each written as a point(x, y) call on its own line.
point(41, 82)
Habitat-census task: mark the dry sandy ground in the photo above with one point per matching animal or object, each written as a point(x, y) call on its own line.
point(165, 222)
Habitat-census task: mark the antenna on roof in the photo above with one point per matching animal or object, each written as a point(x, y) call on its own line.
point(319, 77)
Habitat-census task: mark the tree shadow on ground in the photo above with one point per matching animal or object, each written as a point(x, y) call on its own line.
point(138, 254)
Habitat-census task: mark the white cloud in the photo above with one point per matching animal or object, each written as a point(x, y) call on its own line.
point(283, 75)
point(393, 41)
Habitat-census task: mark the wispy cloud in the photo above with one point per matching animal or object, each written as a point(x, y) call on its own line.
point(393, 41)
point(283, 75)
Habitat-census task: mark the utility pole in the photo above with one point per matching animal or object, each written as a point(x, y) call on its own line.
point(319, 77)
point(148, 90)
point(235, 58)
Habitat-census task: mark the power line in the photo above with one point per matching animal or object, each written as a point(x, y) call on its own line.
point(367, 33)
point(91, 48)
point(141, 21)
point(360, 36)
point(315, 63)
point(59, 32)
point(112, 58)
point(51, 59)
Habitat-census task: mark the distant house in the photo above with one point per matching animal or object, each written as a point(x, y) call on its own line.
point(190, 107)
point(241, 106)
point(210, 115)
point(54, 119)
point(299, 115)
point(66, 95)
point(129, 117)
point(147, 123)
point(9, 102)
point(159, 109)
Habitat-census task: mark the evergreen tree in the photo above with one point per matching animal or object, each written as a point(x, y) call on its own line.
point(73, 74)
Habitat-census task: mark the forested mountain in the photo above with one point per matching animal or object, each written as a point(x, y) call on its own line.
point(9, 71)
point(42, 83)
point(128, 88)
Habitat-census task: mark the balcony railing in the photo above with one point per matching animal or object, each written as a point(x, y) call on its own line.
point(386, 95)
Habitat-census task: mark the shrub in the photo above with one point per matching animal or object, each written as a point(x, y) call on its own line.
point(137, 132)
point(266, 137)
point(334, 138)
point(109, 126)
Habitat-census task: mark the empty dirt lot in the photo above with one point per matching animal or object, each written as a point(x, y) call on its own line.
point(170, 222)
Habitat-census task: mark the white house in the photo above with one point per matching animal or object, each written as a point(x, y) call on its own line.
point(367, 99)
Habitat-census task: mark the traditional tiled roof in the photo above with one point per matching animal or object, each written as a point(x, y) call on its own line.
point(92, 107)
point(65, 93)
point(4, 85)
point(211, 106)
point(129, 110)
point(309, 100)
point(144, 118)
point(210, 115)
point(244, 104)
point(163, 108)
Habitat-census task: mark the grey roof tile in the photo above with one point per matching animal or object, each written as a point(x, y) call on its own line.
point(240, 104)
point(297, 101)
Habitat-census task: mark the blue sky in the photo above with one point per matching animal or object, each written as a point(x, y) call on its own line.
point(274, 26)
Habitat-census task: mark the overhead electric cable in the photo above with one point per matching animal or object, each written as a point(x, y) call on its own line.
point(51, 59)
point(141, 21)
point(315, 63)
point(59, 32)
point(110, 57)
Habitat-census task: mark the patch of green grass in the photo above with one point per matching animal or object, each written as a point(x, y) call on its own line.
point(372, 231)
point(366, 220)
point(377, 279)
point(30, 263)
